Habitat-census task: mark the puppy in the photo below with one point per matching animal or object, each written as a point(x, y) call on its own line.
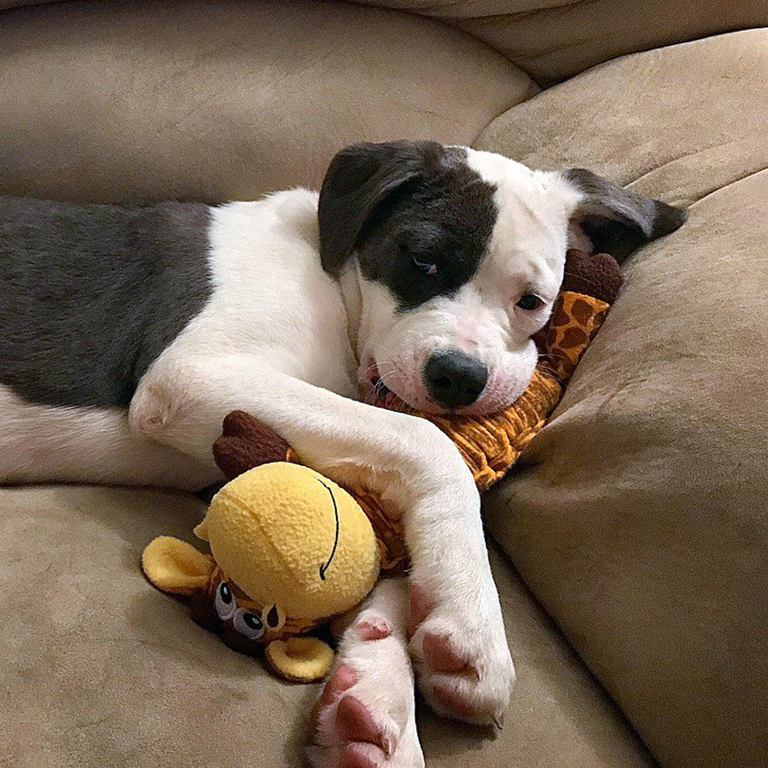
point(128, 333)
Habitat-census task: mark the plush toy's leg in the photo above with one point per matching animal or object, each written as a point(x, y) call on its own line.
point(459, 643)
point(365, 717)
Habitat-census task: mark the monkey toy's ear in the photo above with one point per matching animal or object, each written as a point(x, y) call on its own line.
point(300, 659)
point(246, 443)
point(174, 566)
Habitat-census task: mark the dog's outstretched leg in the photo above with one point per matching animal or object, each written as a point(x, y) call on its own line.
point(458, 641)
point(365, 716)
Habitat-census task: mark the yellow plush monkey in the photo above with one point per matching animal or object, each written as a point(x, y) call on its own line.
point(289, 550)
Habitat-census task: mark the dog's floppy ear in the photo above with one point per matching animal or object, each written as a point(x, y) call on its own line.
point(360, 179)
point(615, 220)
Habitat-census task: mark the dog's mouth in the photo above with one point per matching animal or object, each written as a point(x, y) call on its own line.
point(378, 392)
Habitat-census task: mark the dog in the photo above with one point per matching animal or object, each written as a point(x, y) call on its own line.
point(128, 333)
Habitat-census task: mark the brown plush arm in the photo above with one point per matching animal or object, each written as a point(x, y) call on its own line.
point(246, 443)
point(595, 275)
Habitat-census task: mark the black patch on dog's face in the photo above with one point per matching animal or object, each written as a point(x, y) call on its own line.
point(431, 237)
point(419, 218)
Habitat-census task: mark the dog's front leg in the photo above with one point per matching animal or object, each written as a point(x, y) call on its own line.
point(457, 633)
point(366, 714)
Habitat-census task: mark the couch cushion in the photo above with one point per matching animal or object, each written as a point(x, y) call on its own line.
point(99, 669)
point(226, 100)
point(556, 39)
point(640, 516)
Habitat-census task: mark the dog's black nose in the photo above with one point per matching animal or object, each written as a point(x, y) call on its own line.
point(454, 378)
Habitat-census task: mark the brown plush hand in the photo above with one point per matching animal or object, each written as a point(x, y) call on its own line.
point(597, 275)
point(246, 443)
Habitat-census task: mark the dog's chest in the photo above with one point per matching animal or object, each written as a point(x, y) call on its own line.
point(271, 297)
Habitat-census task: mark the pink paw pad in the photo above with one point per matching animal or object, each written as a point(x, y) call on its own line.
point(421, 605)
point(353, 758)
point(441, 657)
point(454, 703)
point(355, 723)
point(341, 680)
point(373, 629)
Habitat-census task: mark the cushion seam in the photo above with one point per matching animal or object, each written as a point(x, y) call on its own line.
point(729, 184)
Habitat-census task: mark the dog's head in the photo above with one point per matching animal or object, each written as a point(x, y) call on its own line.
point(453, 259)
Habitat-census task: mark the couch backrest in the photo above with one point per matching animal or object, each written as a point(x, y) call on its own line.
point(112, 100)
point(554, 39)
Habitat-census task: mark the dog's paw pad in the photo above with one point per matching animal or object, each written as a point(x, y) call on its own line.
point(440, 655)
point(365, 716)
point(353, 757)
point(341, 680)
point(463, 666)
point(452, 703)
point(373, 629)
point(354, 722)
point(420, 608)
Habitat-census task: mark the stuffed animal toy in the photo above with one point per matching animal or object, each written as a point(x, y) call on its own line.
point(290, 549)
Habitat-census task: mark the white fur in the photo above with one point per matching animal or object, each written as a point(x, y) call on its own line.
point(285, 341)
point(385, 683)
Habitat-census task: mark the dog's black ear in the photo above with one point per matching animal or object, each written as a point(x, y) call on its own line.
point(361, 180)
point(615, 220)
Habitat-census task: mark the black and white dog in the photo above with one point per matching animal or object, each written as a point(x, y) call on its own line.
point(128, 333)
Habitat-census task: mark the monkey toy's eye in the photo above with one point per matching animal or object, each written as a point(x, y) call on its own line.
point(248, 624)
point(225, 601)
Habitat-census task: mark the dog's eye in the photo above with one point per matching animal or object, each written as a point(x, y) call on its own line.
point(225, 601)
point(248, 624)
point(530, 302)
point(429, 268)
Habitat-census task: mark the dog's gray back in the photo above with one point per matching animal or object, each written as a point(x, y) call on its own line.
point(90, 295)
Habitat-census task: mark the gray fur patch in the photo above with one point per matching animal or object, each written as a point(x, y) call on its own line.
point(90, 295)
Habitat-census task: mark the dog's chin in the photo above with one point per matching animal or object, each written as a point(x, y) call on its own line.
point(484, 406)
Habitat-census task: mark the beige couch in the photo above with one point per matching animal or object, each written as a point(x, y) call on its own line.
point(631, 547)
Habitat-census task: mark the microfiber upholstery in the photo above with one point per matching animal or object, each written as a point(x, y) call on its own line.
point(640, 516)
point(226, 100)
point(637, 521)
point(99, 669)
point(552, 40)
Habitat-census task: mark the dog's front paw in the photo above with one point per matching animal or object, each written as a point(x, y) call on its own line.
point(461, 656)
point(365, 716)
